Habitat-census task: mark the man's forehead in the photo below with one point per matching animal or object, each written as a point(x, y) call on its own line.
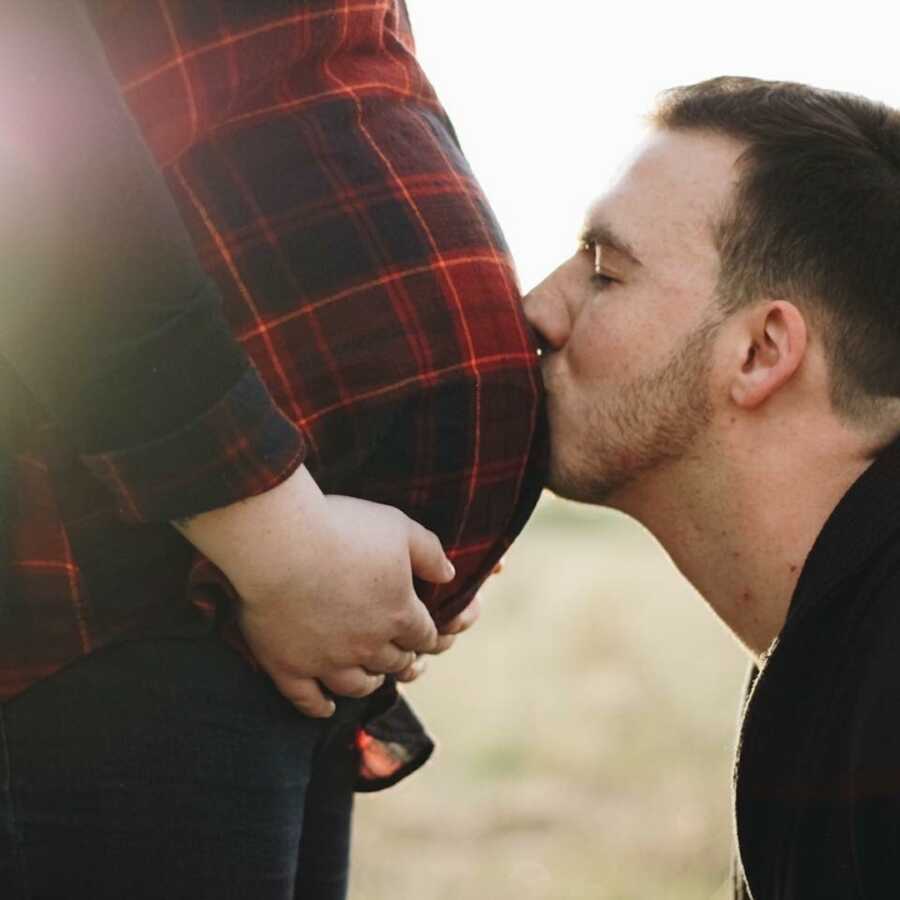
point(684, 163)
point(670, 195)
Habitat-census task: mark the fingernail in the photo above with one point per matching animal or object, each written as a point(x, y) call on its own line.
point(329, 710)
point(448, 566)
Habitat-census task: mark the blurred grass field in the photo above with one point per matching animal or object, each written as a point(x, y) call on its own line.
point(586, 728)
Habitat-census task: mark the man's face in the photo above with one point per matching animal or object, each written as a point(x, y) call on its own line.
point(630, 320)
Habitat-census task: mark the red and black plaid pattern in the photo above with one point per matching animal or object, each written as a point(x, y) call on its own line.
point(363, 272)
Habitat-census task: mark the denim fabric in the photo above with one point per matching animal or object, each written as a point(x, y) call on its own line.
point(170, 769)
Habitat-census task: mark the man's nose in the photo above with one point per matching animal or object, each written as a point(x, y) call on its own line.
point(548, 314)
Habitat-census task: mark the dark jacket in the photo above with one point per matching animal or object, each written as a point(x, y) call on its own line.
point(817, 778)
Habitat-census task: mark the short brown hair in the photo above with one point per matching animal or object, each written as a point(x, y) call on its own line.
point(815, 217)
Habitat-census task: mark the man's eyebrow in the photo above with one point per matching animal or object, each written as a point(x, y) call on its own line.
point(606, 236)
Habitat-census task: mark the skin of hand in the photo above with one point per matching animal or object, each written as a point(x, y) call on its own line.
point(447, 637)
point(326, 587)
point(448, 634)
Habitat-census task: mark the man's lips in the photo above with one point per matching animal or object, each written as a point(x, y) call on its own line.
point(550, 363)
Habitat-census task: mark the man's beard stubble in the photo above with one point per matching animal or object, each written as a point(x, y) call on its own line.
point(653, 420)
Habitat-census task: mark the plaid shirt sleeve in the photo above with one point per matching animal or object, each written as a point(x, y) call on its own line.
point(108, 318)
point(359, 263)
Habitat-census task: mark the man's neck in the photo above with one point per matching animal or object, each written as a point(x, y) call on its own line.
point(740, 524)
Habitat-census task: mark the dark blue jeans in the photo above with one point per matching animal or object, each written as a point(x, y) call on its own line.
point(169, 769)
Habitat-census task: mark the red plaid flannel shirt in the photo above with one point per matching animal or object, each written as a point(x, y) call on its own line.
point(363, 273)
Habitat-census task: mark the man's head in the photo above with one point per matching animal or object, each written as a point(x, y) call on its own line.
point(748, 259)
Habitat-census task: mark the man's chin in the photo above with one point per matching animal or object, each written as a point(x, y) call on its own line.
point(570, 483)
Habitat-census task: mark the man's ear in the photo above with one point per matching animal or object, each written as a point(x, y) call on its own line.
point(774, 338)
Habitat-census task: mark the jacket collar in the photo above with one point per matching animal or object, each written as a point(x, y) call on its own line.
point(866, 517)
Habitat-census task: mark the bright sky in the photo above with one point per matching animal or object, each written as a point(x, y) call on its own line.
point(547, 97)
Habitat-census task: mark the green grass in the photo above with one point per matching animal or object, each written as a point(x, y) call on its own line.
point(585, 728)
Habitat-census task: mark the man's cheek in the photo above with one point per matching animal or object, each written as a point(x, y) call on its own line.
point(591, 356)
